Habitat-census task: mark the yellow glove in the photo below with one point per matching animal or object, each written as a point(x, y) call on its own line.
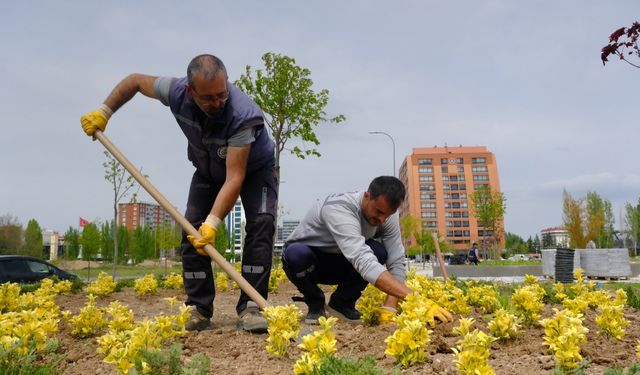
point(207, 232)
point(387, 314)
point(96, 120)
point(439, 313)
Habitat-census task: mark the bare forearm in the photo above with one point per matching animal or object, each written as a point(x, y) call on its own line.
point(226, 198)
point(394, 288)
point(127, 88)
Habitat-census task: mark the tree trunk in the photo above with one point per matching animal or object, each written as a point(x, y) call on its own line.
point(115, 239)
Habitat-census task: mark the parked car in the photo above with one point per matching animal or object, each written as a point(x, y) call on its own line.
point(518, 257)
point(24, 269)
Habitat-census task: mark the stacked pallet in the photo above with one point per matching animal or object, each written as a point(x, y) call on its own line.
point(549, 262)
point(605, 262)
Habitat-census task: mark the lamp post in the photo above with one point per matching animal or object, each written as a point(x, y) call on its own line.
point(394, 149)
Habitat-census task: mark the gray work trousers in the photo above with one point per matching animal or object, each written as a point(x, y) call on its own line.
point(259, 198)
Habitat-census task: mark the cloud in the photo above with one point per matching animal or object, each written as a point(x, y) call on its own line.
point(604, 183)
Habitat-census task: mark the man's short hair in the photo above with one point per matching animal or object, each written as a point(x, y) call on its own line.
point(208, 66)
point(389, 187)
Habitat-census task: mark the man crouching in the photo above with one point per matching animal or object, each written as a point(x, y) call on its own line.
point(334, 244)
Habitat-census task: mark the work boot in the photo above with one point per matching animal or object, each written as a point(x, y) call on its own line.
point(197, 321)
point(313, 316)
point(251, 320)
point(344, 312)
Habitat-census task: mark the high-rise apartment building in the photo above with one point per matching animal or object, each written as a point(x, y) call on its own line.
point(283, 232)
point(235, 227)
point(440, 182)
point(134, 215)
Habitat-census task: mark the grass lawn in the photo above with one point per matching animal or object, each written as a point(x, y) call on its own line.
point(126, 271)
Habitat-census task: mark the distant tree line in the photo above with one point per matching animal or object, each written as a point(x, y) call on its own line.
point(96, 240)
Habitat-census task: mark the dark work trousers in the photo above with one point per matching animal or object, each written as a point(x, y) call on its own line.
point(307, 267)
point(258, 196)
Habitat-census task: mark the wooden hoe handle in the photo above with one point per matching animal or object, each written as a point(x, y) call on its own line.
point(186, 225)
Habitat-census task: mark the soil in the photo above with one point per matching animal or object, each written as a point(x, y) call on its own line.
point(235, 352)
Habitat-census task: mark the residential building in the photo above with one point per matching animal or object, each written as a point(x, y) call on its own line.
point(440, 182)
point(283, 232)
point(554, 237)
point(235, 227)
point(134, 215)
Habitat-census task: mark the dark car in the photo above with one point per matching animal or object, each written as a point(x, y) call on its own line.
point(23, 269)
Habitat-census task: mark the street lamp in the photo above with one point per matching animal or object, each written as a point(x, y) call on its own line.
point(394, 149)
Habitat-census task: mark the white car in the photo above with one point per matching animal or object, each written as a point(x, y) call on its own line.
point(518, 257)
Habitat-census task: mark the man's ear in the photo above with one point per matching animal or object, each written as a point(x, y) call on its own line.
point(367, 195)
point(190, 90)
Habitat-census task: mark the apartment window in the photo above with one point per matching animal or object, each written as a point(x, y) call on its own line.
point(482, 169)
point(424, 161)
point(427, 188)
point(460, 169)
point(428, 206)
point(444, 169)
point(446, 187)
point(453, 186)
point(453, 178)
point(460, 160)
point(480, 186)
point(444, 161)
point(429, 224)
point(478, 160)
point(426, 178)
point(445, 178)
point(449, 224)
point(425, 170)
point(427, 197)
point(461, 178)
point(430, 215)
point(448, 214)
point(480, 177)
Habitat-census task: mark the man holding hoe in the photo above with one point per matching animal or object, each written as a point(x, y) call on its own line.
point(233, 155)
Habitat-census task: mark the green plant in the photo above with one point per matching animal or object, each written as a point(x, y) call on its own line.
point(633, 299)
point(168, 362)
point(12, 362)
point(348, 366)
point(124, 283)
point(634, 369)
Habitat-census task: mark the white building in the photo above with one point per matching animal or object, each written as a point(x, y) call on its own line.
point(554, 237)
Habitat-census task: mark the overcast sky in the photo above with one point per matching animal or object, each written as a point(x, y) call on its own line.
point(523, 78)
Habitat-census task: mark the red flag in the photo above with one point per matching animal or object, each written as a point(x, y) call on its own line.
point(83, 222)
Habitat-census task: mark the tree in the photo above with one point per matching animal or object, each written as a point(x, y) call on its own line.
point(71, 243)
point(167, 237)
point(515, 244)
point(222, 240)
point(10, 235)
point(489, 207)
point(548, 242)
point(141, 244)
point(531, 247)
point(573, 219)
point(90, 242)
point(537, 245)
point(588, 219)
point(123, 245)
point(632, 220)
point(625, 49)
point(122, 183)
point(33, 245)
point(106, 236)
point(600, 220)
point(409, 227)
point(291, 107)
